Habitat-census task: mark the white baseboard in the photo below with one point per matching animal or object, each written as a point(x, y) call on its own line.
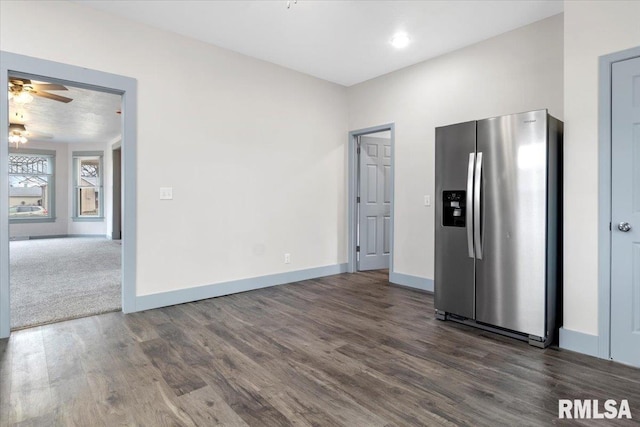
point(579, 342)
point(164, 299)
point(411, 281)
point(57, 236)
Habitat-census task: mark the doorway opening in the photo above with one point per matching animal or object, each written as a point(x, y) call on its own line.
point(371, 198)
point(116, 203)
point(86, 201)
point(62, 263)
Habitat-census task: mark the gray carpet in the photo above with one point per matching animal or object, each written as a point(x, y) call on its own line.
point(58, 279)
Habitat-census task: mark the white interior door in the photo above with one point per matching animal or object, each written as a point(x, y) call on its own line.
point(375, 203)
point(625, 203)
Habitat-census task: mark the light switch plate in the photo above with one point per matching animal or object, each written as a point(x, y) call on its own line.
point(427, 200)
point(166, 193)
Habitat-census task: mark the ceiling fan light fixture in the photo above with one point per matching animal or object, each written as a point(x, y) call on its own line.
point(17, 134)
point(400, 40)
point(21, 97)
point(17, 139)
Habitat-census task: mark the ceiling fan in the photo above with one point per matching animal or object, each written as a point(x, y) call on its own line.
point(23, 90)
point(18, 134)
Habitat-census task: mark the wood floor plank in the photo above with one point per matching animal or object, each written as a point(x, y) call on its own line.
point(207, 408)
point(26, 404)
point(62, 351)
point(155, 402)
point(309, 385)
point(246, 401)
point(344, 350)
point(140, 327)
point(30, 395)
point(174, 370)
point(29, 368)
point(75, 403)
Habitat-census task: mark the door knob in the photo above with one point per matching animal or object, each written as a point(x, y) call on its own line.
point(624, 226)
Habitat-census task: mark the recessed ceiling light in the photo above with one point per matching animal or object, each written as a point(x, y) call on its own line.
point(400, 40)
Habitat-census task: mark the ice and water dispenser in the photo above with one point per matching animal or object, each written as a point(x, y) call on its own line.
point(454, 208)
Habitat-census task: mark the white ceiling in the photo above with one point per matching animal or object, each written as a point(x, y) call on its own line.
point(345, 42)
point(90, 118)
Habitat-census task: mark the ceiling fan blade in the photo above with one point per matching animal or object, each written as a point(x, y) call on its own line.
point(17, 127)
point(23, 81)
point(52, 96)
point(48, 86)
point(38, 135)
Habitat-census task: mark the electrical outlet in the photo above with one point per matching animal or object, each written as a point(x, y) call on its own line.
point(287, 258)
point(427, 200)
point(166, 193)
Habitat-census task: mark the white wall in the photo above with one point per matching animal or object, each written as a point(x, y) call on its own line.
point(517, 71)
point(255, 153)
point(592, 29)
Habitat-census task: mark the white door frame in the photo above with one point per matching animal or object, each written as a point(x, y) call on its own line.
point(91, 79)
point(352, 211)
point(604, 197)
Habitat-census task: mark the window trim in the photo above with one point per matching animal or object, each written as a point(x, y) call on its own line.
point(75, 155)
point(51, 190)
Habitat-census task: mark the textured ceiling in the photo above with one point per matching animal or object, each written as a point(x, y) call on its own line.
point(90, 118)
point(345, 42)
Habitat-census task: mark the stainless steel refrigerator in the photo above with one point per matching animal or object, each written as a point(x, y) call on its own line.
point(497, 224)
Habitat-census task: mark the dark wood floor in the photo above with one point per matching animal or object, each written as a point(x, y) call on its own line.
point(344, 350)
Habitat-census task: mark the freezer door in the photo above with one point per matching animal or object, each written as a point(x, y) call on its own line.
point(454, 257)
point(512, 204)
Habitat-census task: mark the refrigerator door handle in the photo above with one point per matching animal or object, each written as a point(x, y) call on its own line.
point(477, 208)
point(469, 215)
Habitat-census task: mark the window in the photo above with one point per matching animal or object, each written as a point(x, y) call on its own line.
point(88, 194)
point(31, 186)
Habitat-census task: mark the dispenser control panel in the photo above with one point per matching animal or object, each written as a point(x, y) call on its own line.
point(454, 208)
